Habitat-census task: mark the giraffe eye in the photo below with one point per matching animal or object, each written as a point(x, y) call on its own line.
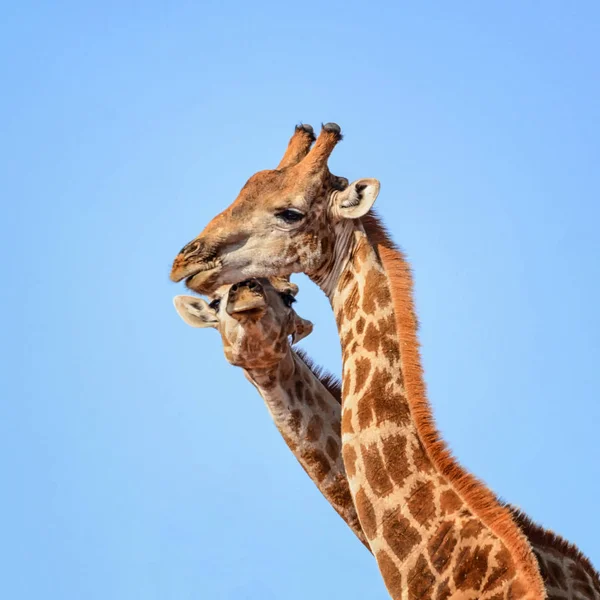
point(290, 215)
point(215, 304)
point(288, 299)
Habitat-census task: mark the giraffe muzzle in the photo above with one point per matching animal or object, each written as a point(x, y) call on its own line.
point(194, 259)
point(246, 299)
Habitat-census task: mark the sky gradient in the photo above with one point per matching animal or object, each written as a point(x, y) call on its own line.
point(136, 462)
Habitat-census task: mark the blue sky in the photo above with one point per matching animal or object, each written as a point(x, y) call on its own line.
point(138, 464)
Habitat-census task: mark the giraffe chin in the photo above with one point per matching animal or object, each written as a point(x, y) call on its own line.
point(205, 281)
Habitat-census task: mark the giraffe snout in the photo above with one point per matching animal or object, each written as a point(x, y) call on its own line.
point(194, 257)
point(246, 298)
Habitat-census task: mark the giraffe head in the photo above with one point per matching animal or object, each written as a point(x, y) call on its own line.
point(283, 221)
point(255, 319)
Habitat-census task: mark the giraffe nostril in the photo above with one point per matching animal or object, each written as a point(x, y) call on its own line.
point(191, 248)
point(248, 283)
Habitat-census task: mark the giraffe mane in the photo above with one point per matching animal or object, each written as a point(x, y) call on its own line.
point(545, 538)
point(330, 381)
point(478, 497)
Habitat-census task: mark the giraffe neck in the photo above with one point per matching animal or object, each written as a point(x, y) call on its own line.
point(308, 417)
point(434, 530)
point(566, 572)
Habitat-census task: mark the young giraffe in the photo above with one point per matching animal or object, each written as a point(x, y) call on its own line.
point(435, 530)
point(254, 319)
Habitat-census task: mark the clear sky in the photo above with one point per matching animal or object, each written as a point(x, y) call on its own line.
point(136, 463)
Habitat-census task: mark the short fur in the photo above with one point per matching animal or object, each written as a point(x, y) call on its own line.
point(330, 381)
point(505, 520)
point(544, 538)
point(538, 536)
point(475, 493)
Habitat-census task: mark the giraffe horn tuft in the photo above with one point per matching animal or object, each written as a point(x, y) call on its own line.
point(298, 146)
point(316, 159)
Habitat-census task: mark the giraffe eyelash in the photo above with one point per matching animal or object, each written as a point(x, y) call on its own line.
point(288, 299)
point(290, 215)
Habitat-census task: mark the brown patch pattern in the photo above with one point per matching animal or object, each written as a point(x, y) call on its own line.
point(443, 592)
point(501, 573)
point(391, 575)
point(317, 462)
point(421, 503)
point(394, 454)
point(314, 429)
point(332, 448)
point(371, 339)
point(441, 546)
point(400, 535)
point(450, 502)
point(349, 455)
point(347, 421)
point(420, 580)
point(295, 421)
point(375, 471)
point(363, 368)
point(471, 567)
point(360, 325)
point(367, 514)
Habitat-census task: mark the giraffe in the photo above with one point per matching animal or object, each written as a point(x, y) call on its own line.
point(254, 319)
point(435, 530)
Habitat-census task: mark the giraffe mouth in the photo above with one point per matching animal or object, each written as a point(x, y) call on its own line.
point(247, 306)
point(249, 312)
point(201, 276)
point(246, 299)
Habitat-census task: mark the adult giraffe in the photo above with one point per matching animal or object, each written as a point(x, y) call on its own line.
point(434, 529)
point(255, 319)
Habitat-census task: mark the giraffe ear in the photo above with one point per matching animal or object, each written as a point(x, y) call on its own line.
point(195, 311)
point(302, 328)
point(357, 199)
